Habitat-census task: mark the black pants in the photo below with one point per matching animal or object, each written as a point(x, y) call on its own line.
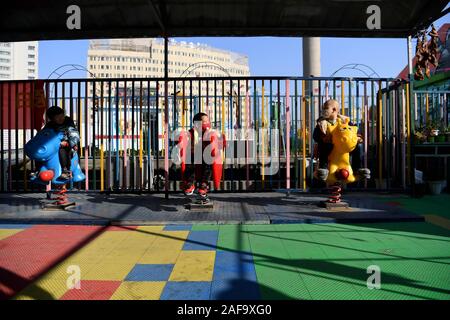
point(204, 172)
point(65, 157)
point(326, 148)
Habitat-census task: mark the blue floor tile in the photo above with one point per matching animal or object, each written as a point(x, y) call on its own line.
point(234, 289)
point(201, 240)
point(150, 272)
point(186, 291)
point(15, 226)
point(234, 276)
point(230, 265)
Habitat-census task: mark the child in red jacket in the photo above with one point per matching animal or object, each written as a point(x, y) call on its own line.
point(194, 174)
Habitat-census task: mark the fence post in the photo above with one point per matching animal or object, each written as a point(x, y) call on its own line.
point(288, 137)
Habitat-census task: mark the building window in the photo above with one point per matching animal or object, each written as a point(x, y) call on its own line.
point(31, 70)
point(31, 47)
point(31, 56)
point(31, 64)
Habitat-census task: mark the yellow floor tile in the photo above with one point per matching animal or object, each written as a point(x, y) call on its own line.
point(151, 228)
point(170, 240)
point(43, 289)
point(85, 257)
point(194, 266)
point(124, 256)
point(5, 233)
point(160, 256)
point(99, 247)
point(107, 270)
point(139, 290)
point(437, 220)
point(60, 271)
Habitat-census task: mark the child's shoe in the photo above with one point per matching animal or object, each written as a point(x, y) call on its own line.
point(65, 175)
point(322, 174)
point(34, 174)
point(364, 173)
point(189, 190)
point(203, 192)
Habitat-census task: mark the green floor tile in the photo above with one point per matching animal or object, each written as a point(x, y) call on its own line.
point(205, 227)
point(437, 205)
point(233, 237)
point(327, 286)
point(279, 282)
point(303, 250)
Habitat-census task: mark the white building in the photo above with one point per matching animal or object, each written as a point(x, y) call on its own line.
point(144, 58)
point(134, 58)
point(19, 60)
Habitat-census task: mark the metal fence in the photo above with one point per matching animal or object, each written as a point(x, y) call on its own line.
point(128, 128)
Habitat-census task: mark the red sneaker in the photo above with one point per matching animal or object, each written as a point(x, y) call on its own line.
point(202, 191)
point(189, 190)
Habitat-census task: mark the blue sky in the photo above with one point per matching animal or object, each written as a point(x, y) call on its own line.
point(268, 56)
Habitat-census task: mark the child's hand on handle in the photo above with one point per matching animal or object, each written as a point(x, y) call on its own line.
point(343, 118)
point(360, 139)
point(64, 144)
point(323, 126)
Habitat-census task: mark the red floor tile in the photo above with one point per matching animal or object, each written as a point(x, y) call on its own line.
point(28, 254)
point(92, 290)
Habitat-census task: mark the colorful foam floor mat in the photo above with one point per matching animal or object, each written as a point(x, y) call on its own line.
point(283, 261)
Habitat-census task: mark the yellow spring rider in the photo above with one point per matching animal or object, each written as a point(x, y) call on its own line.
point(345, 139)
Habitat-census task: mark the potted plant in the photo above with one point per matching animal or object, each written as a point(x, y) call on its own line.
point(419, 135)
point(447, 133)
point(432, 131)
point(442, 133)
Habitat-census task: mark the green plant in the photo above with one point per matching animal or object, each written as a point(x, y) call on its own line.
point(432, 125)
point(420, 134)
point(440, 138)
point(446, 130)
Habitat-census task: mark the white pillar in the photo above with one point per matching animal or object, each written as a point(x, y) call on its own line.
point(311, 57)
point(311, 67)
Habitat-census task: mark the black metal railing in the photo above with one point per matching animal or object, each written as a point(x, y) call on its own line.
point(266, 120)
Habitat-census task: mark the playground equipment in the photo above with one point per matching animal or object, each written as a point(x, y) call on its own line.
point(387, 113)
point(187, 140)
point(344, 138)
point(44, 148)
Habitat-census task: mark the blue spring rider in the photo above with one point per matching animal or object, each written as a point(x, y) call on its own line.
point(44, 147)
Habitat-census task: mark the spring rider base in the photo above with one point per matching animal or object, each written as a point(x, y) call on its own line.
point(200, 203)
point(60, 202)
point(334, 201)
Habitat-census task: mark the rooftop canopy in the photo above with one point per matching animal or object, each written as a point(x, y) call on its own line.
point(46, 19)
